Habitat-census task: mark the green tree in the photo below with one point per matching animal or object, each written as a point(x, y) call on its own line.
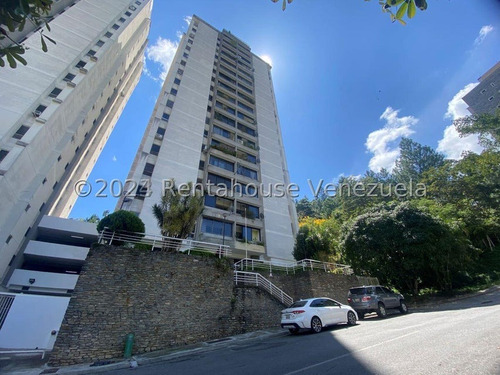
point(405, 247)
point(122, 222)
point(14, 14)
point(397, 9)
point(304, 208)
point(317, 239)
point(415, 160)
point(178, 211)
point(486, 125)
point(94, 218)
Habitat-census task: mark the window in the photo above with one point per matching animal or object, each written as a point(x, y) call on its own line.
point(244, 88)
point(218, 202)
point(246, 142)
point(221, 163)
point(138, 2)
point(173, 91)
point(108, 34)
point(80, 64)
point(3, 154)
point(121, 19)
point(246, 97)
point(99, 43)
point(21, 132)
point(170, 103)
point(245, 107)
point(491, 98)
point(40, 109)
point(247, 172)
point(148, 169)
point(223, 132)
point(226, 96)
point(247, 233)
point(227, 87)
point(183, 63)
point(220, 117)
point(177, 81)
point(155, 149)
point(180, 72)
point(249, 83)
point(115, 27)
point(128, 14)
point(165, 117)
point(56, 91)
point(188, 48)
point(249, 190)
point(201, 166)
point(132, 7)
point(190, 41)
point(227, 78)
point(219, 180)
point(225, 107)
point(91, 52)
point(217, 227)
point(228, 70)
point(185, 54)
point(160, 131)
point(69, 77)
point(251, 212)
point(246, 129)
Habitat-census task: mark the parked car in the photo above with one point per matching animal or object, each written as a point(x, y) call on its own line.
point(316, 313)
point(375, 298)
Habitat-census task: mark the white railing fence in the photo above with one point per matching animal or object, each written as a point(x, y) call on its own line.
point(256, 279)
point(163, 243)
point(290, 267)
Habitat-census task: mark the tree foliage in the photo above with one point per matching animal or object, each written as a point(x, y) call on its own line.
point(397, 9)
point(317, 239)
point(405, 247)
point(486, 125)
point(178, 211)
point(14, 14)
point(122, 221)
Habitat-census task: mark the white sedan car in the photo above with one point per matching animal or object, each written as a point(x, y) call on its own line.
point(316, 313)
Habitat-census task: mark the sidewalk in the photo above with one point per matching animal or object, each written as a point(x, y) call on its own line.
point(34, 365)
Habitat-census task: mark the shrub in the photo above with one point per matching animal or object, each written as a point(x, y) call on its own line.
point(122, 221)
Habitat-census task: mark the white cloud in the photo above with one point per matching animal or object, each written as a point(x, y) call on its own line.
point(384, 143)
point(162, 52)
point(452, 145)
point(485, 30)
point(188, 19)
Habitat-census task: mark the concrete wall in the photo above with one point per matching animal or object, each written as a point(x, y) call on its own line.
point(169, 300)
point(31, 320)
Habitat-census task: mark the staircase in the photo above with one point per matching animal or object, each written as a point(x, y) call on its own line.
point(256, 279)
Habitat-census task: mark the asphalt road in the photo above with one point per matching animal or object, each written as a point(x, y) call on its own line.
point(462, 337)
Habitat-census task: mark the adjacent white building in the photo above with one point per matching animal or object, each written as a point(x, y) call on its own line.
point(216, 122)
point(57, 114)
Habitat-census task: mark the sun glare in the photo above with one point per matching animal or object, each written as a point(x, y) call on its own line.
point(267, 59)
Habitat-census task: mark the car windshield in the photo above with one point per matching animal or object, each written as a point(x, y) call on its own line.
point(360, 291)
point(298, 304)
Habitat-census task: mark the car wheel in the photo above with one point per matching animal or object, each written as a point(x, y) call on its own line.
point(294, 330)
point(316, 325)
point(351, 318)
point(403, 308)
point(381, 311)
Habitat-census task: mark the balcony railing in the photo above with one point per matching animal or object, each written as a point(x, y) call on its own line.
point(291, 267)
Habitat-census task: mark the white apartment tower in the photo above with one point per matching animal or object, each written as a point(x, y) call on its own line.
point(58, 111)
point(216, 124)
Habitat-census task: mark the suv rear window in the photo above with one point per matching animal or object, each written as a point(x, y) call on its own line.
point(360, 291)
point(299, 304)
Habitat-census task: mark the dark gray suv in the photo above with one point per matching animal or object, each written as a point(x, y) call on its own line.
point(375, 298)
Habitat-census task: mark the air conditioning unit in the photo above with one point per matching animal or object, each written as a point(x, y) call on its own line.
point(36, 113)
point(57, 100)
point(261, 215)
point(83, 70)
point(158, 136)
point(71, 84)
point(93, 58)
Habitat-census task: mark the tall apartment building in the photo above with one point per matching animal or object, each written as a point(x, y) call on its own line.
point(58, 111)
point(485, 97)
point(215, 123)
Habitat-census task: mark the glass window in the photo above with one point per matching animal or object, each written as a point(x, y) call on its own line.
point(21, 132)
point(170, 103)
point(148, 169)
point(180, 72)
point(3, 154)
point(244, 88)
point(115, 27)
point(177, 81)
point(219, 180)
point(99, 43)
point(217, 227)
point(173, 91)
point(227, 87)
point(122, 19)
point(81, 64)
point(108, 34)
point(247, 172)
point(40, 109)
point(245, 107)
point(218, 202)
point(224, 119)
point(69, 77)
point(165, 117)
point(223, 132)
point(225, 107)
point(155, 149)
point(128, 14)
point(247, 233)
point(246, 129)
point(160, 131)
point(226, 96)
point(227, 78)
point(56, 91)
point(221, 163)
point(251, 212)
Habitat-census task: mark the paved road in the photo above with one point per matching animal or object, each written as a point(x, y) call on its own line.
point(462, 337)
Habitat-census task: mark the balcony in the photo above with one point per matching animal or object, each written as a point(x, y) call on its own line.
point(38, 281)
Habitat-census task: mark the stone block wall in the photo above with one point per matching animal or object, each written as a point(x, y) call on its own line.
point(170, 300)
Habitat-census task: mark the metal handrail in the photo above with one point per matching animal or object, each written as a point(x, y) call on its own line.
point(163, 242)
point(304, 264)
point(256, 279)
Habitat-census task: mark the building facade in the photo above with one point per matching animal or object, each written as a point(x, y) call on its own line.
point(215, 124)
point(485, 97)
point(58, 111)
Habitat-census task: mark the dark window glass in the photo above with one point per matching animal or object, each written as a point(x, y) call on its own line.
point(91, 53)
point(56, 91)
point(128, 14)
point(221, 163)
point(223, 132)
point(160, 131)
point(99, 43)
point(224, 119)
point(247, 172)
point(173, 91)
point(108, 34)
point(247, 233)
point(218, 202)
point(180, 71)
point(148, 169)
point(165, 117)
point(170, 103)
point(81, 64)
point(216, 180)
point(177, 81)
point(183, 63)
point(121, 19)
point(217, 227)
point(155, 149)
point(40, 109)
point(21, 132)
point(115, 27)
point(3, 154)
point(69, 77)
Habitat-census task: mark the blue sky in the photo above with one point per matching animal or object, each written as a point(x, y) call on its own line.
point(348, 82)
